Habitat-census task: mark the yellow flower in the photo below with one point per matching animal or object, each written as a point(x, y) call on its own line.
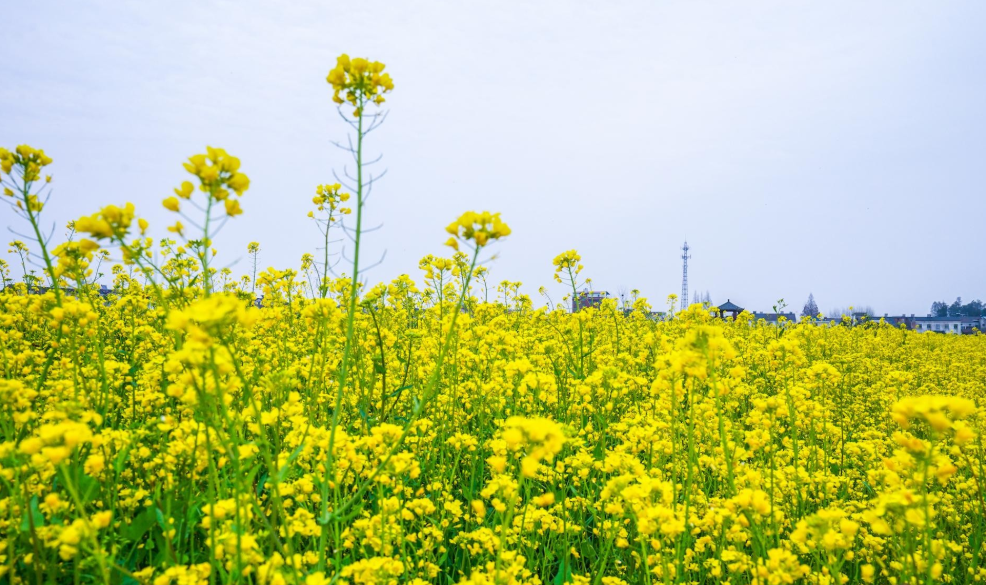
point(171, 204)
point(478, 227)
point(497, 463)
point(360, 80)
point(110, 221)
point(218, 174)
point(541, 438)
point(568, 260)
point(186, 189)
point(940, 412)
point(238, 183)
point(317, 578)
point(30, 161)
point(102, 519)
point(233, 207)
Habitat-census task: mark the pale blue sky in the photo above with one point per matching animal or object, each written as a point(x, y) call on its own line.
point(830, 147)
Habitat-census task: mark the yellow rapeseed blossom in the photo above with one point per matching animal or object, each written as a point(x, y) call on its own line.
point(940, 412)
point(27, 159)
point(219, 176)
point(567, 263)
point(479, 228)
point(360, 80)
point(540, 439)
point(111, 221)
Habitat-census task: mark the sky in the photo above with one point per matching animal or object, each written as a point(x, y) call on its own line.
point(835, 148)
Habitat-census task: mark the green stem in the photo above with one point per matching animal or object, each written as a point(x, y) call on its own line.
point(350, 330)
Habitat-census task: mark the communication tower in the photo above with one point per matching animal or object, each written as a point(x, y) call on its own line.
point(684, 276)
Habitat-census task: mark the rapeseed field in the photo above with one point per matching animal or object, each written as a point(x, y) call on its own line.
point(175, 431)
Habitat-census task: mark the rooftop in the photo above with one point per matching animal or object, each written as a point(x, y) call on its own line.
point(772, 317)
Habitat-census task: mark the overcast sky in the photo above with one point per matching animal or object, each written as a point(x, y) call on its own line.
point(831, 147)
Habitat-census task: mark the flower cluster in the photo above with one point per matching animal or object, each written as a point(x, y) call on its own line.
point(330, 197)
point(479, 228)
point(218, 175)
point(29, 160)
point(110, 222)
point(540, 439)
point(941, 413)
point(74, 259)
point(568, 264)
point(360, 80)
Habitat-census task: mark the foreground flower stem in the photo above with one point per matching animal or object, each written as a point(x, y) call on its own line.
point(206, 243)
point(34, 219)
point(343, 376)
point(431, 391)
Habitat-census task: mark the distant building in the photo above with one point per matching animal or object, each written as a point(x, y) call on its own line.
point(953, 325)
point(774, 318)
point(588, 298)
point(68, 290)
point(971, 323)
point(730, 309)
point(897, 321)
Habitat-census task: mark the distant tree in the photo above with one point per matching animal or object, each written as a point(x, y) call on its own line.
point(955, 309)
point(811, 307)
point(958, 309)
point(701, 298)
point(853, 312)
point(973, 309)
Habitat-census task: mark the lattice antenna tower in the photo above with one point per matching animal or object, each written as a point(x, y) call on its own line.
point(684, 275)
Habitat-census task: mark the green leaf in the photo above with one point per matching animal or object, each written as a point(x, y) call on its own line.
point(283, 471)
point(121, 459)
point(87, 486)
point(33, 514)
point(261, 482)
point(564, 574)
point(139, 526)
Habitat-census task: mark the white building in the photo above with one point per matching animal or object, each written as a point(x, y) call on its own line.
point(954, 325)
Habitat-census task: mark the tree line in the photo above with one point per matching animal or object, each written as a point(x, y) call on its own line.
point(958, 309)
